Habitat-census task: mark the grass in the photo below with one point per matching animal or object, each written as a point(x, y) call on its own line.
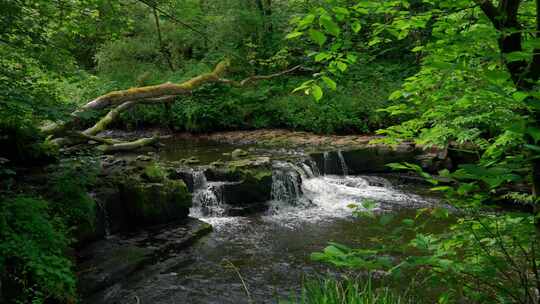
point(332, 291)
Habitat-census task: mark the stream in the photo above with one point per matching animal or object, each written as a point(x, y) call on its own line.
point(263, 257)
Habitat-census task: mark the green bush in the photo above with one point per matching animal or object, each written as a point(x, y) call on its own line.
point(33, 264)
point(67, 190)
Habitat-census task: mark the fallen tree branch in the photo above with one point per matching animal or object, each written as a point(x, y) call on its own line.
point(128, 146)
point(124, 100)
point(256, 78)
point(156, 91)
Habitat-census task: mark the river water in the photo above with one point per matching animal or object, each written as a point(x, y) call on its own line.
point(264, 257)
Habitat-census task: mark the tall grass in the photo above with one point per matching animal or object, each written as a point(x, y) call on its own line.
point(332, 291)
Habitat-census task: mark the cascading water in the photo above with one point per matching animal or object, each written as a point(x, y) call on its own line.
point(342, 163)
point(310, 167)
point(326, 162)
point(207, 197)
point(328, 196)
point(286, 184)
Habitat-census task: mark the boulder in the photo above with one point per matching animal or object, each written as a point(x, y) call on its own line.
point(255, 187)
point(369, 159)
point(106, 262)
point(148, 204)
point(184, 174)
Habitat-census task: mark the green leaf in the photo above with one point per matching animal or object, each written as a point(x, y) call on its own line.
point(329, 25)
point(341, 10)
point(369, 204)
point(386, 219)
point(306, 21)
point(322, 56)
point(294, 35)
point(534, 132)
point(356, 27)
point(519, 96)
point(317, 37)
point(329, 82)
point(440, 213)
point(533, 148)
point(341, 66)
point(316, 92)
point(408, 222)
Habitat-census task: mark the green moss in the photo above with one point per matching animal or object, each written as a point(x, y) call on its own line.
point(154, 173)
point(155, 203)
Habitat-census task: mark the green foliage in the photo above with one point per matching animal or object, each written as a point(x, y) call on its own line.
point(154, 173)
point(68, 190)
point(32, 252)
point(483, 257)
point(271, 105)
point(348, 291)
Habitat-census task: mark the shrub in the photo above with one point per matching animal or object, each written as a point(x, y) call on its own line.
point(67, 190)
point(33, 244)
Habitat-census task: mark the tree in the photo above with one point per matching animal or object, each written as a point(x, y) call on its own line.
point(459, 68)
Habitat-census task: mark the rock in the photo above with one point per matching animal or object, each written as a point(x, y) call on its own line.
point(370, 159)
point(238, 153)
point(154, 173)
point(183, 174)
point(374, 159)
point(254, 188)
point(143, 158)
point(104, 263)
point(214, 174)
point(148, 204)
point(217, 163)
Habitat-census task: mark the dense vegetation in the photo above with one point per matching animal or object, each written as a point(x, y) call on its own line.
point(460, 75)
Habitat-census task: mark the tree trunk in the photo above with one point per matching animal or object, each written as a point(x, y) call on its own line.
point(162, 46)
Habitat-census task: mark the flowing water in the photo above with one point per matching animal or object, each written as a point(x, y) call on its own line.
point(262, 258)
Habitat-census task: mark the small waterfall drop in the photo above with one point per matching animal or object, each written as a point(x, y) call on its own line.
point(207, 197)
point(314, 168)
point(286, 183)
point(326, 162)
point(342, 163)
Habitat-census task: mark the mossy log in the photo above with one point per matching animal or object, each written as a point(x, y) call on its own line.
point(126, 99)
point(128, 146)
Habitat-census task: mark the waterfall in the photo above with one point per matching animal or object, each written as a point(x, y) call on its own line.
point(286, 183)
point(307, 170)
point(314, 168)
point(342, 163)
point(207, 197)
point(199, 180)
point(326, 162)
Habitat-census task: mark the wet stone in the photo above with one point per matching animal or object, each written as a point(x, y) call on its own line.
point(109, 261)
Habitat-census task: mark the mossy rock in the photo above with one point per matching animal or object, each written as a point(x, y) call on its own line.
point(239, 153)
point(154, 173)
point(254, 187)
point(155, 203)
